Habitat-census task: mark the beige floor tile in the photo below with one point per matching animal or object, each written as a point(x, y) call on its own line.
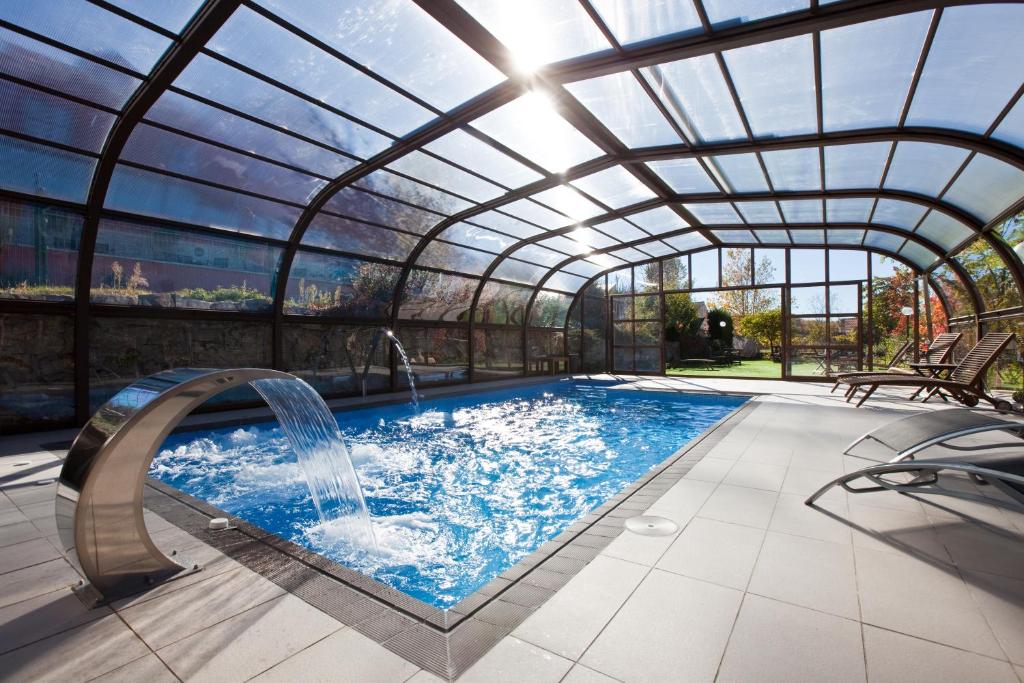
point(897, 658)
point(43, 616)
point(1001, 600)
point(672, 628)
point(174, 616)
point(26, 554)
point(714, 551)
point(148, 669)
point(756, 475)
point(251, 642)
point(922, 599)
point(76, 655)
point(710, 469)
point(581, 674)
point(740, 505)
point(568, 622)
point(39, 579)
point(515, 661)
point(807, 572)
point(825, 521)
point(773, 641)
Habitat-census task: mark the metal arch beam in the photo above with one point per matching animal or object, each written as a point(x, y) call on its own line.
point(468, 30)
point(206, 22)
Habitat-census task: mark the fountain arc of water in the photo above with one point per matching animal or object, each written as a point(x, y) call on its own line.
point(402, 355)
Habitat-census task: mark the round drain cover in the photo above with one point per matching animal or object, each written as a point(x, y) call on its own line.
point(649, 525)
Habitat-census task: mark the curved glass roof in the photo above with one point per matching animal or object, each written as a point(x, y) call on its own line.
point(539, 143)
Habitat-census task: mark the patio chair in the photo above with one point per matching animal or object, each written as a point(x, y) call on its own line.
point(939, 351)
point(964, 382)
point(909, 435)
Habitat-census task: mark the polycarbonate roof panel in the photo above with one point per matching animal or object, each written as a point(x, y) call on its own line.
point(697, 96)
point(467, 151)
point(855, 166)
point(506, 224)
point(582, 268)
point(565, 245)
point(565, 281)
point(531, 126)
point(848, 210)
point(775, 82)
point(741, 172)
point(714, 214)
point(477, 237)
point(90, 28)
point(382, 211)
point(399, 41)
point(918, 255)
point(801, 210)
point(356, 237)
point(535, 213)
point(45, 116)
point(399, 187)
point(169, 15)
point(794, 169)
point(621, 104)
point(844, 236)
point(658, 221)
point(568, 201)
point(621, 230)
point(43, 171)
point(447, 256)
point(631, 21)
point(986, 187)
point(430, 169)
point(262, 45)
point(687, 242)
point(807, 236)
point(759, 212)
point(923, 167)
point(589, 238)
point(615, 187)
point(538, 32)
point(656, 248)
point(1011, 128)
point(773, 236)
point(897, 213)
point(735, 236)
point(943, 229)
point(518, 271)
point(630, 255)
point(883, 240)
point(684, 176)
point(973, 68)
point(722, 13)
point(866, 70)
point(536, 254)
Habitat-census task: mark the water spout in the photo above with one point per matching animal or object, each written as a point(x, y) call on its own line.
point(390, 336)
point(314, 436)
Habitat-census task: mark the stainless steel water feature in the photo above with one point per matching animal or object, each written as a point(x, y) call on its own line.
point(99, 493)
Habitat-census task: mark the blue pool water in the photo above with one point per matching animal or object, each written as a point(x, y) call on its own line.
point(458, 492)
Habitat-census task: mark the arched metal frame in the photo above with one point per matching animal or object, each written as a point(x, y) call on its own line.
point(214, 13)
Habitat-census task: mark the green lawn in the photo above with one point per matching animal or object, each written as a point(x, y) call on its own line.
point(763, 369)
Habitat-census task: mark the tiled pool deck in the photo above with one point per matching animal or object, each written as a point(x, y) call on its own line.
point(755, 587)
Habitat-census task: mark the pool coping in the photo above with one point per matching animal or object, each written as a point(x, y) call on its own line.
point(444, 642)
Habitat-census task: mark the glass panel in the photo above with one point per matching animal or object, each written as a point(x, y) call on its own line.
point(741, 172)
point(659, 220)
point(807, 236)
point(634, 20)
point(621, 230)
point(801, 210)
point(807, 265)
point(417, 194)
point(615, 187)
point(37, 372)
point(853, 237)
point(588, 238)
point(438, 254)
point(855, 166)
point(531, 253)
point(944, 230)
point(220, 83)
point(691, 240)
point(170, 15)
point(848, 210)
point(332, 358)
point(735, 236)
point(918, 255)
point(676, 273)
point(549, 309)
point(44, 171)
point(38, 252)
point(619, 102)
point(436, 296)
point(684, 176)
point(392, 38)
point(656, 248)
point(537, 32)
point(883, 240)
point(630, 255)
point(954, 291)
point(52, 118)
point(843, 300)
point(646, 278)
point(437, 355)
point(569, 202)
point(1011, 129)
point(339, 286)
point(647, 334)
point(470, 152)
point(264, 46)
point(771, 266)
point(474, 236)
point(714, 214)
point(723, 13)
point(696, 95)
point(583, 269)
point(986, 187)
point(866, 70)
point(990, 275)
point(381, 210)
point(506, 224)
point(775, 82)
point(971, 70)
point(531, 126)
point(623, 359)
point(846, 264)
point(497, 354)
point(923, 167)
point(122, 350)
point(736, 267)
point(166, 151)
point(162, 267)
point(531, 211)
point(807, 300)
point(136, 191)
point(519, 271)
point(898, 214)
point(502, 304)
point(41, 64)
point(432, 170)
point(704, 269)
point(565, 282)
point(759, 212)
point(794, 169)
point(541, 343)
point(773, 236)
point(355, 237)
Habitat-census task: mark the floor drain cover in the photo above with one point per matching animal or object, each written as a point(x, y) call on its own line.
point(649, 525)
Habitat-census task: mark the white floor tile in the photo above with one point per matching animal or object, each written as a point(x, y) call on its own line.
point(515, 661)
point(714, 551)
point(740, 505)
point(897, 658)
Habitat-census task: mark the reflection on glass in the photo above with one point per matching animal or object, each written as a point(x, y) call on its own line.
point(331, 285)
point(38, 251)
point(549, 309)
point(569, 202)
point(43, 171)
point(436, 296)
point(502, 304)
point(52, 118)
point(430, 169)
point(468, 151)
point(356, 237)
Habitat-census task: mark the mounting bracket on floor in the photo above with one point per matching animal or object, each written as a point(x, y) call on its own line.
point(99, 493)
